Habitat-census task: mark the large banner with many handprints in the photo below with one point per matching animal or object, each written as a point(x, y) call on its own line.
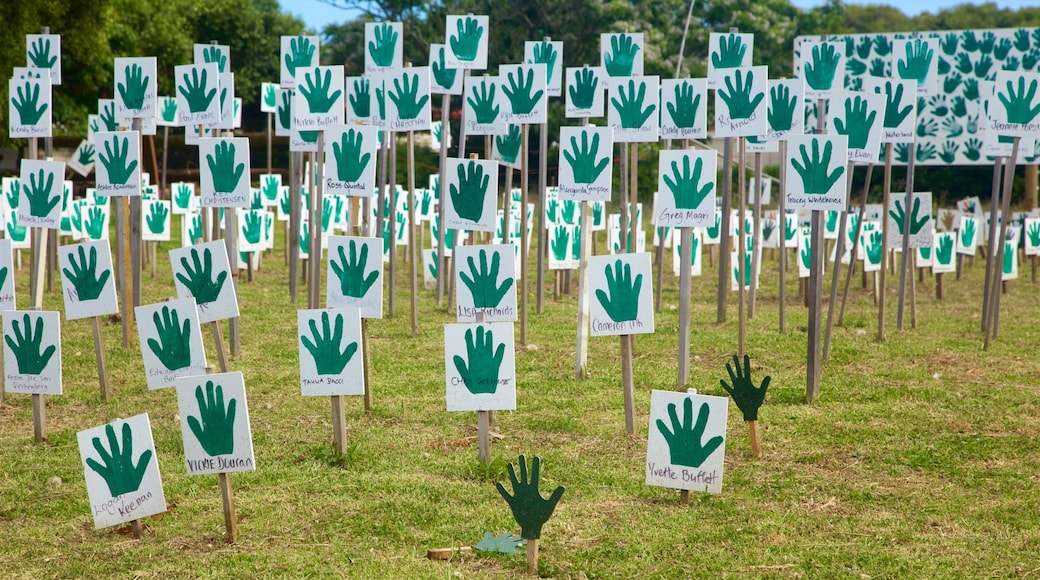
point(950, 122)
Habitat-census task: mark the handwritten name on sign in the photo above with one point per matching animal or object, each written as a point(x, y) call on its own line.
point(215, 424)
point(686, 442)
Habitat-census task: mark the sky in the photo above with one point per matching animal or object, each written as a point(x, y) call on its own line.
point(318, 14)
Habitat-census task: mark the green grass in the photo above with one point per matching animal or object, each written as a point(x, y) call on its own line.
point(918, 459)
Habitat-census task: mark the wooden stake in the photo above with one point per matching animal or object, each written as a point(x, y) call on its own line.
point(339, 425)
point(756, 448)
point(887, 189)
point(685, 284)
point(724, 241)
point(904, 261)
point(532, 556)
point(39, 409)
point(1005, 212)
point(483, 439)
point(628, 384)
point(524, 279)
point(413, 264)
point(756, 230)
point(295, 223)
point(782, 218)
point(855, 244)
point(228, 497)
point(839, 249)
point(218, 340)
point(741, 248)
point(99, 355)
point(135, 528)
point(442, 203)
point(392, 178)
point(314, 252)
point(990, 247)
point(543, 232)
point(366, 358)
point(581, 352)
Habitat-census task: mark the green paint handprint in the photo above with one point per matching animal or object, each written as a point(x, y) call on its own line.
point(84, 276)
point(382, 50)
point(684, 110)
point(468, 197)
point(584, 161)
point(324, 346)
point(3, 275)
point(918, 60)
point(731, 52)
point(747, 269)
point(213, 54)
point(466, 42)
point(28, 105)
point(225, 173)
point(874, 248)
point(40, 54)
point(269, 186)
point(95, 224)
point(169, 110)
point(1033, 232)
point(406, 98)
point(300, 56)
point(480, 369)
point(544, 53)
point(319, 101)
point(519, 92)
point(944, 251)
point(1019, 105)
point(194, 91)
point(85, 156)
point(509, 144)
point(483, 283)
point(119, 171)
point(790, 229)
point(820, 73)
point(857, 124)
point(215, 425)
point(108, 116)
point(174, 345)
point(968, 233)
point(156, 218)
point(350, 163)
point(685, 440)
point(361, 99)
point(583, 92)
point(198, 277)
point(746, 395)
point(270, 96)
point(894, 112)
point(630, 106)
point(782, 105)
point(738, 99)
point(816, 180)
point(252, 227)
point(560, 243)
point(442, 75)
point(529, 508)
point(39, 194)
point(686, 185)
point(354, 278)
point(182, 196)
point(136, 86)
point(622, 56)
point(916, 223)
point(483, 103)
point(26, 347)
point(1009, 258)
point(117, 466)
point(806, 254)
point(285, 111)
point(622, 305)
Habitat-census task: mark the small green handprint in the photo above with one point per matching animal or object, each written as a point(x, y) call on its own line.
point(1033, 232)
point(480, 369)
point(39, 194)
point(820, 73)
point(560, 243)
point(466, 42)
point(270, 96)
point(215, 425)
point(968, 233)
point(684, 110)
point(521, 100)
point(361, 99)
point(731, 52)
point(746, 395)
point(182, 195)
point(350, 163)
point(874, 248)
point(916, 222)
point(483, 283)
point(198, 277)
point(169, 110)
point(354, 278)
point(324, 346)
point(1009, 259)
point(195, 93)
point(944, 251)
point(544, 53)
point(319, 100)
point(483, 103)
point(685, 186)
point(857, 124)
point(738, 99)
point(174, 345)
point(156, 218)
point(223, 170)
point(95, 224)
point(269, 186)
point(790, 229)
point(40, 54)
point(806, 254)
point(685, 440)
point(107, 114)
point(622, 304)
point(918, 60)
point(529, 508)
point(509, 144)
point(583, 92)
point(300, 56)
point(136, 86)
point(119, 171)
point(782, 105)
point(630, 106)
point(383, 48)
point(285, 111)
point(468, 197)
point(406, 98)
point(252, 226)
point(28, 105)
point(26, 347)
point(622, 56)
point(84, 276)
point(816, 179)
point(117, 465)
point(213, 54)
point(585, 162)
point(85, 156)
point(1019, 104)
point(442, 75)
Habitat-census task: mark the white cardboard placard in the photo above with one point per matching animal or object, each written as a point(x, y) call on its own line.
point(202, 273)
point(740, 102)
point(485, 284)
point(32, 352)
point(39, 204)
point(586, 163)
point(296, 52)
point(224, 172)
point(621, 285)
point(480, 372)
point(586, 88)
point(686, 188)
point(683, 452)
point(215, 424)
point(633, 110)
point(331, 352)
point(467, 41)
point(355, 274)
point(87, 280)
point(30, 108)
point(198, 94)
point(822, 159)
point(472, 187)
point(684, 108)
point(136, 87)
point(171, 341)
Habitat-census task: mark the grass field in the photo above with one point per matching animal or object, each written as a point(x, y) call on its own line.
point(919, 459)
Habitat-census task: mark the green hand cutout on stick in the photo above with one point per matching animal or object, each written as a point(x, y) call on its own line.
point(561, 243)
point(361, 100)
point(252, 227)
point(354, 278)
point(26, 347)
point(215, 426)
point(480, 370)
point(270, 98)
point(968, 235)
point(324, 346)
point(117, 465)
point(156, 218)
point(483, 283)
point(686, 185)
point(685, 440)
point(745, 394)
point(622, 304)
point(108, 116)
point(95, 225)
point(544, 53)
point(169, 110)
point(199, 279)
point(84, 276)
point(874, 248)
point(529, 508)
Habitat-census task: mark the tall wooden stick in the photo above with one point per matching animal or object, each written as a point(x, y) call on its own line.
point(855, 243)
point(883, 282)
point(227, 495)
point(442, 202)
point(295, 223)
point(392, 156)
point(782, 218)
point(524, 279)
point(628, 384)
point(1005, 212)
point(839, 249)
point(741, 248)
point(99, 355)
point(724, 237)
point(905, 259)
point(755, 234)
point(413, 263)
point(994, 205)
point(581, 352)
point(543, 232)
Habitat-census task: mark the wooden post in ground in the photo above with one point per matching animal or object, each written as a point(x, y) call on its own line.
point(724, 241)
point(904, 260)
point(543, 232)
point(524, 278)
point(839, 249)
point(99, 355)
point(855, 243)
point(442, 203)
point(994, 206)
point(883, 282)
point(782, 218)
point(295, 223)
point(628, 384)
point(756, 230)
point(741, 248)
point(1005, 212)
point(413, 250)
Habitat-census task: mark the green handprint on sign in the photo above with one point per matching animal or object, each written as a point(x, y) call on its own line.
point(544, 53)
point(747, 269)
point(483, 103)
point(382, 50)
point(156, 218)
point(108, 116)
point(509, 144)
point(816, 180)
point(350, 163)
point(270, 185)
point(684, 110)
point(519, 92)
point(26, 347)
point(622, 56)
point(169, 110)
point(28, 105)
point(117, 466)
point(968, 233)
point(857, 124)
point(480, 373)
point(584, 161)
point(84, 277)
point(173, 348)
point(738, 99)
point(85, 156)
point(782, 105)
point(95, 224)
point(285, 111)
point(790, 229)
point(918, 60)
point(301, 54)
point(1033, 232)
point(252, 227)
point(444, 76)
point(685, 440)
point(136, 85)
point(1009, 259)
point(353, 280)
point(806, 254)
point(119, 171)
point(944, 251)
point(40, 54)
point(1019, 105)
point(466, 42)
point(270, 96)
point(319, 101)
point(630, 106)
point(529, 508)
point(324, 346)
point(746, 395)
point(483, 283)
point(468, 197)
point(406, 98)
point(182, 196)
point(194, 91)
point(560, 243)
point(894, 112)
point(361, 100)
point(622, 304)
point(39, 194)
point(223, 170)
point(731, 52)
point(820, 73)
point(215, 425)
point(874, 248)
point(212, 54)
point(916, 223)
point(198, 277)
point(3, 275)
point(583, 92)
point(686, 185)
